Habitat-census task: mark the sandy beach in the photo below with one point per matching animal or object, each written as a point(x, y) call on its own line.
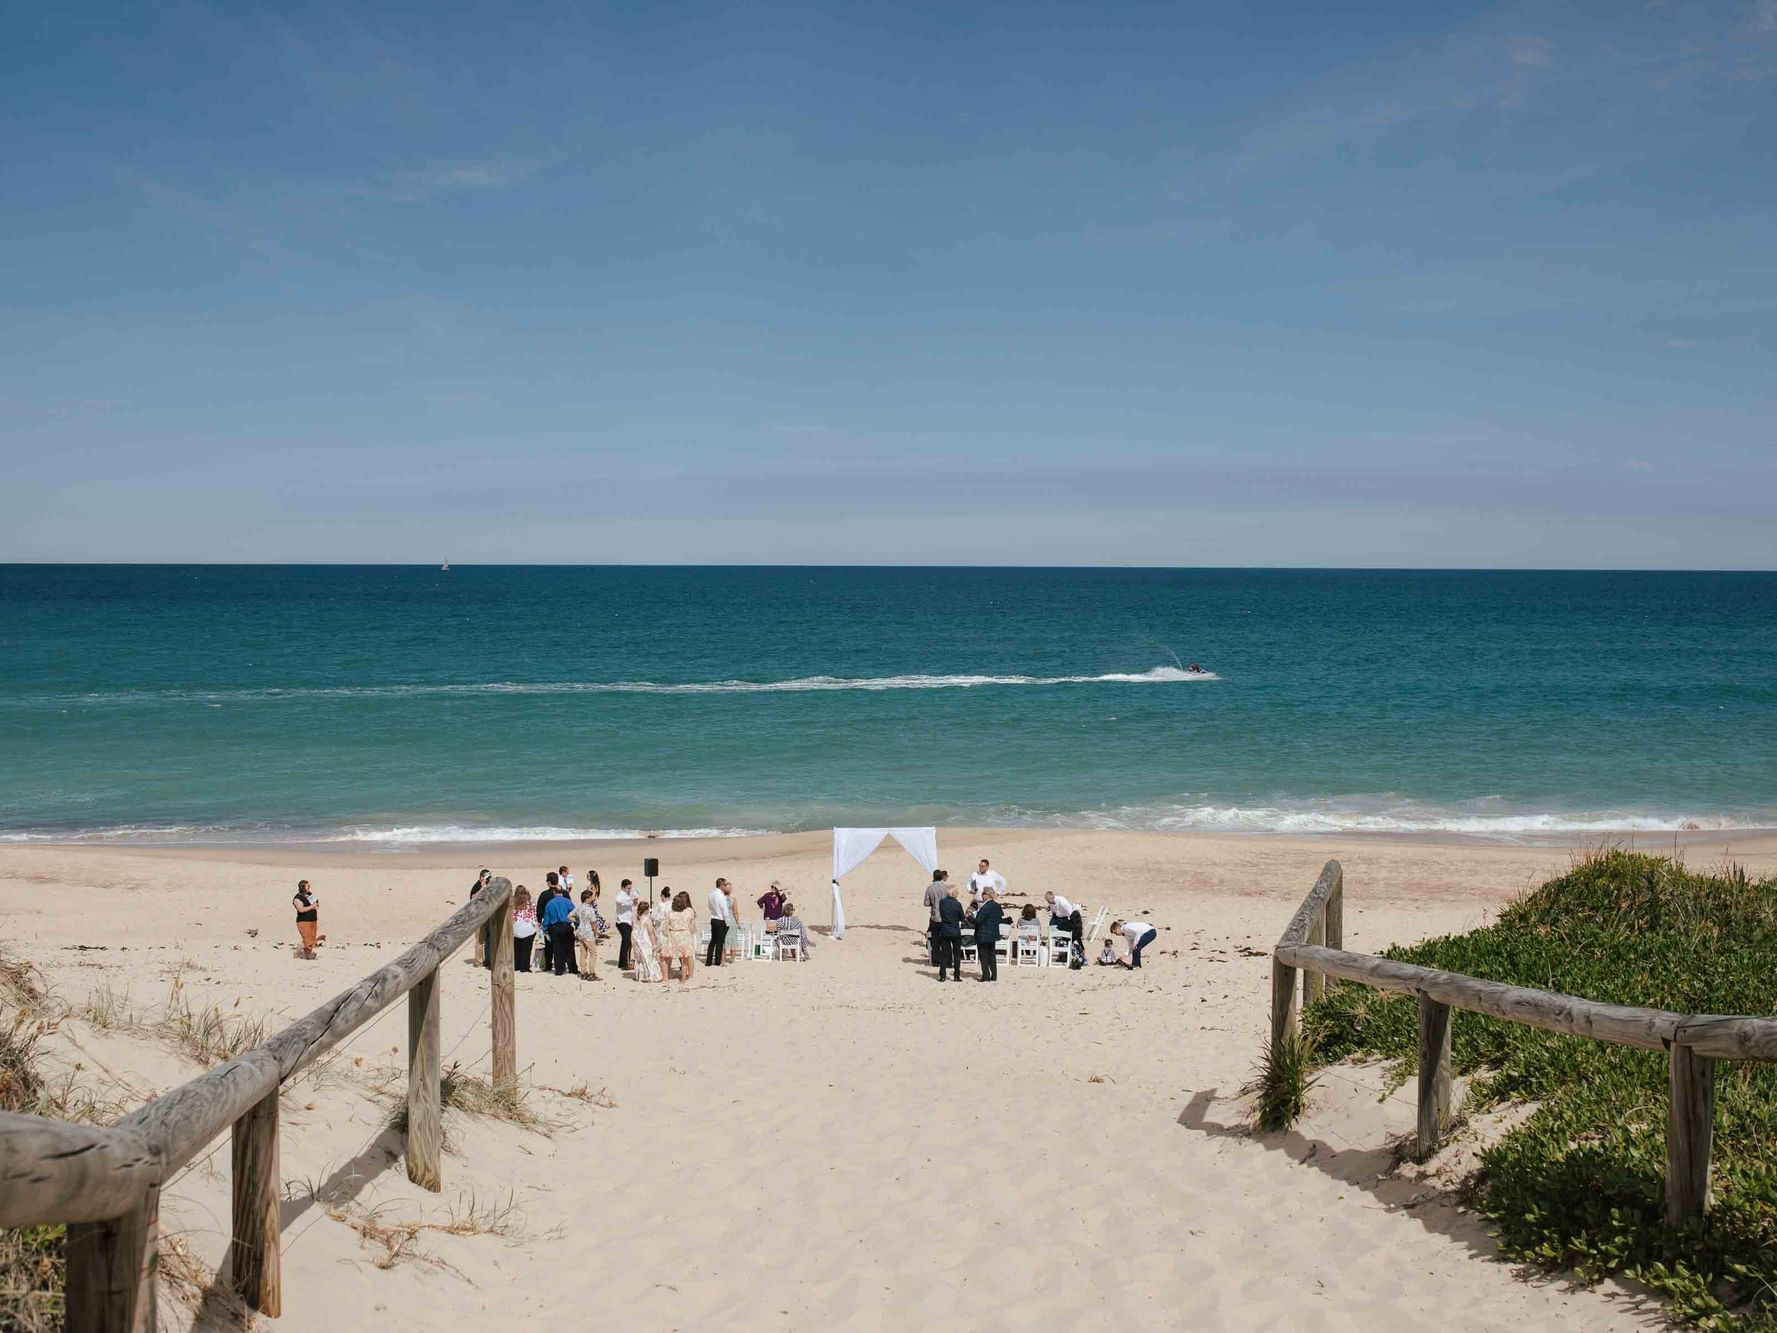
point(837, 1143)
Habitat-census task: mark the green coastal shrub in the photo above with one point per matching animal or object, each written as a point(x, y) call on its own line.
point(1581, 1184)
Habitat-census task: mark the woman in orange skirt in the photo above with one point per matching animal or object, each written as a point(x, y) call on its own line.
point(307, 917)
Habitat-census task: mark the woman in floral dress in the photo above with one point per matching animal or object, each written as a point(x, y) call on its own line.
point(679, 939)
point(644, 948)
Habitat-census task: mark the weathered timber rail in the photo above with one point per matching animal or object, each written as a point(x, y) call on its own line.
point(1312, 944)
point(105, 1183)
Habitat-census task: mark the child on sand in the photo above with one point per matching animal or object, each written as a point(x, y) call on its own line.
point(1107, 956)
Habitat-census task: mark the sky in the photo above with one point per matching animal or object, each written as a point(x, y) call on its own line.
point(1291, 284)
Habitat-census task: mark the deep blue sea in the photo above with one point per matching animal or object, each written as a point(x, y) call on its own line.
point(397, 705)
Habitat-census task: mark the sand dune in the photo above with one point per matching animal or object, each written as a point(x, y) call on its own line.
point(842, 1143)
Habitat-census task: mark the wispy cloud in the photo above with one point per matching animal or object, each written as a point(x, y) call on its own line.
point(1313, 131)
point(1529, 53)
point(1474, 68)
point(281, 221)
point(1764, 16)
point(429, 182)
point(237, 226)
point(1529, 49)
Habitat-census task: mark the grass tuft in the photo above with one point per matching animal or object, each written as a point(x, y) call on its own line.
point(107, 1008)
point(396, 1240)
point(585, 1092)
point(471, 1095)
point(1281, 1084)
point(1580, 1184)
point(33, 1262)
point(210, 1034)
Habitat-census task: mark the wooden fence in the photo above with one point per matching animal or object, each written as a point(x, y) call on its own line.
point(105, 1183)
point(1693, 1042)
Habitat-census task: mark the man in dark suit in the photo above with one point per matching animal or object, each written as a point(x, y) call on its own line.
point(484, 938)
point(950, 936)
point(551, 890)
point(987, 934)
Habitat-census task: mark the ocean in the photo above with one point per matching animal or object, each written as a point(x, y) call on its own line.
point(390, 706)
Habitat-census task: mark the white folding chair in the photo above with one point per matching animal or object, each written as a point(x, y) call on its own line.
point(1028, 951)
point(764, 946)
point(1098, 921)
point(1060, 944)
point(971, 951)
point(789, 947)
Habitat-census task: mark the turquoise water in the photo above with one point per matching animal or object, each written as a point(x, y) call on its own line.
point(397, 705)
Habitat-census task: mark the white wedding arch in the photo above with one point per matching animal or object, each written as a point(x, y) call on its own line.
point(852, 845)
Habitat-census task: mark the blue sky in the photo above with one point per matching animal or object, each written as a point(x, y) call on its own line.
point(1181, 284)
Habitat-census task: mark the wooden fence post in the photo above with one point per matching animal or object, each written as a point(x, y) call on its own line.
point(1283, 1002)
point(1690, 1134)
point(1434, 1073)
point(425, 1096)
point(1335, 917)
point(257, 1272)
point(112, 1270)
point(1314, 984)
point(504, 1019)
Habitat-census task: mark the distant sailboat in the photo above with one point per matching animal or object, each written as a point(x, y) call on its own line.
point(444, 568)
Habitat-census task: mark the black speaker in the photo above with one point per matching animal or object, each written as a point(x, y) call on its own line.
point(651, 867)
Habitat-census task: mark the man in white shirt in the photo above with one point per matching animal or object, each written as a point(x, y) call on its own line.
point(985, 878)
point(626, 921)
point(1063, 915)
point(721, 917)
point(1138, 935)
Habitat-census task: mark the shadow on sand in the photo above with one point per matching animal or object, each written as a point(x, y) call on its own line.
point(1372, 1169)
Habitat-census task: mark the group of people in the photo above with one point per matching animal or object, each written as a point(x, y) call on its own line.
point(653, 937)
point(985, 917)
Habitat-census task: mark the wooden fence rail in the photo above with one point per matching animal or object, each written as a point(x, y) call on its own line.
point(1311, 944)
point(105, 1182)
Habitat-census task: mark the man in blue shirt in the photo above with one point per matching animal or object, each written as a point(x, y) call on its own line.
point(559, 933)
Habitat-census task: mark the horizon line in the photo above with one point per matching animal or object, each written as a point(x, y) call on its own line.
point(803, 565)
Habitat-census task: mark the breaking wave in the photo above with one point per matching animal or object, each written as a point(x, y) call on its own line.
point(404, 835)
point(1161, 675)
point(1484, 818)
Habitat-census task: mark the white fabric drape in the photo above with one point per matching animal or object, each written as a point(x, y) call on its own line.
point(852, 845)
